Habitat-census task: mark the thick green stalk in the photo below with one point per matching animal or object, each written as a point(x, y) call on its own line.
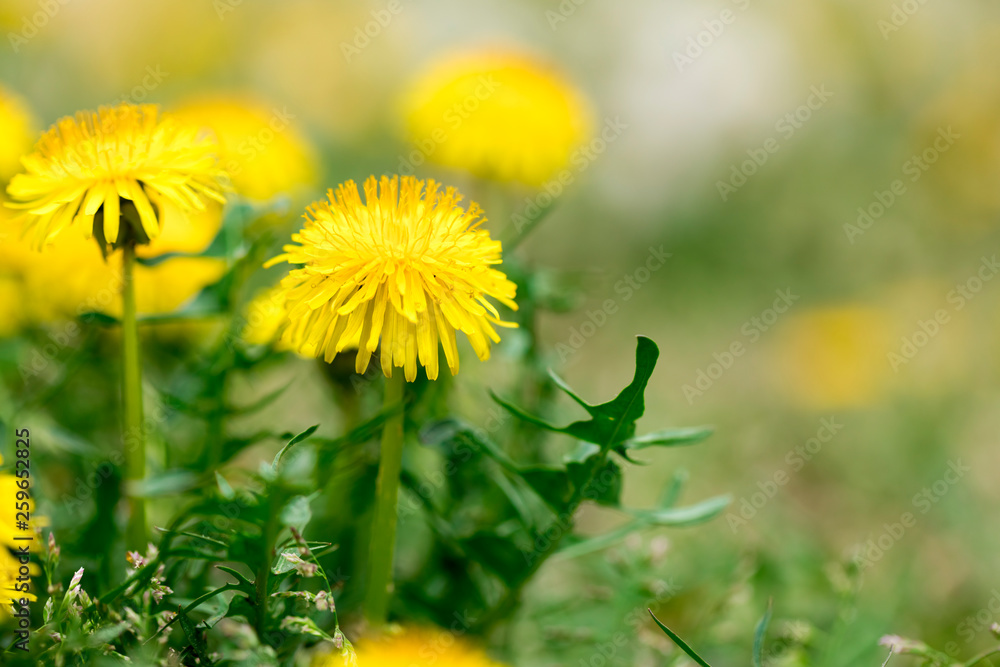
point(383, 536)
point(261, 586)
point(135, 437)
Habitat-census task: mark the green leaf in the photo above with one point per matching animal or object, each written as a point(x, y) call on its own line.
point(224, 488)
point(106, 634)
point(663, 516)
point(680, 642)
point(758, 637)
point(99, 318)
point(288, 558)
point(296, 513)
point(241, 606)
point(195, 637)
point(691, 515)
point(360, 434)
point(454, 433)
point(605, 487)
point(168, 483)
point(551, 483)
point(304, 626)
point(611, 423)
point(673, 491)
point(671, 437)
point(233, 446)
point(291, 443)
point(260, 403)
point(195, 536)
point(496, 553)
point(583, 453)
point(245, 584)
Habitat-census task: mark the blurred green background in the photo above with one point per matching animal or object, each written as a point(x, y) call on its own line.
point(721, 162)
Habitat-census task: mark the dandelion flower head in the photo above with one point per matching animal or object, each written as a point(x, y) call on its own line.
point(123, 162)
point(407, 267)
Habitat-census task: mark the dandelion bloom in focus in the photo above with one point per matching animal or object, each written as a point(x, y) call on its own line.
point(413, 647)
point(259, 147)
point(408, 267)
point(498, 115)
point(126, 161)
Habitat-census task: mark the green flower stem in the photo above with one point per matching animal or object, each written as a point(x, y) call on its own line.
point(383, 536)
point(135, 438)
point(261, 580)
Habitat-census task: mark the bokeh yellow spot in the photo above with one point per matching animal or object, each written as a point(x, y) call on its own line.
point(501, 116)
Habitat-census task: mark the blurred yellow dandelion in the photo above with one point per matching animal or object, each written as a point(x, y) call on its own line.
point(75, 279)
point(835, 357)
point(127, 162)
point(260, 147)
point(11, 308)
point(414, 646)
point(17, 130)
point(9, 594)
point(264, 316)
point(409, 267)
point(499, 115)
point(10, 566)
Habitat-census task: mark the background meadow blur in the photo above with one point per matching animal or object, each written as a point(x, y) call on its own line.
point(741, 137)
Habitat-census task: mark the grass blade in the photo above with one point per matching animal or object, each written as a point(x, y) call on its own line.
point(680, 642)
point(758, 637)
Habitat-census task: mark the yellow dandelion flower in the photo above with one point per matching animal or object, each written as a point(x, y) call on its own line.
point(167, 286)
point(413, 647)
point(126, 161)
point(11, 308)
point(502, 116)
point(73, 277)
point(264, 316)
point(263, 320)
point(10, 566)
point(409, 267)
point(260, 146)
point(17, 127)
point(9, 572)
point(15, 258)
point(833, 357)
